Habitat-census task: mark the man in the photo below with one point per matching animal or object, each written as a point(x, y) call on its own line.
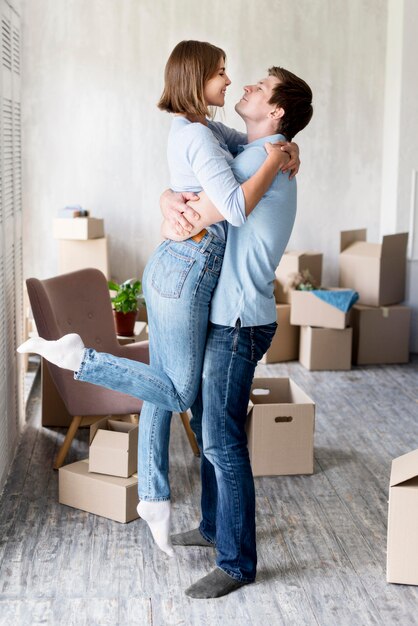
point(242, 325)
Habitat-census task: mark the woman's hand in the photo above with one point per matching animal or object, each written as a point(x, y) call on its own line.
point(291, 164)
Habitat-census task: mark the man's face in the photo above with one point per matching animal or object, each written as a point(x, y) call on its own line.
point(254, 104)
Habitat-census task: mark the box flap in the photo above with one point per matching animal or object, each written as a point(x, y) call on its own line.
point(95, 427)
point(120, 426)
point(395, 245)
point(348, 237)
point(404, 468)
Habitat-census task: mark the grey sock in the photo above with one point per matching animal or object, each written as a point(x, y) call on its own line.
point(191, 538)
point(214, 585)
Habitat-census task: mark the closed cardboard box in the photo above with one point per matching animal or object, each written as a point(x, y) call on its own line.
point(285, 344)
point(78, 228)
point(381, 334)
point(309, 310)
point(113, 447)
point(280, 428)
point(402, 542)
point(377, 271)
point(325, 348)
point(77, 255)
point(108, 496)
point(294, 262)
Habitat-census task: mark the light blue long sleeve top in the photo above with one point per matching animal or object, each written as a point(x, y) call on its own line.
point(199, 159)
point(253, 251)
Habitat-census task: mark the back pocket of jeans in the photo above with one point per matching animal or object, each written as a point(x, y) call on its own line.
point(170, 273)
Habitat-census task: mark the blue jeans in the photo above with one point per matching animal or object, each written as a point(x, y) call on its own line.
point(178, 284)
point(219, 417)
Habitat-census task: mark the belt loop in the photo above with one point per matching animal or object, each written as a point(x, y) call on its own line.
point(209, 238)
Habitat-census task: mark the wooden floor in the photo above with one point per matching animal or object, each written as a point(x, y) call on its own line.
point(321, 538)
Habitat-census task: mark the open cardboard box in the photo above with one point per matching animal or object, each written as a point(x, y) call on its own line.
point(280, 428)
point(376, 270)
point(402, 546)
point(309, 310)
point(325, 348)
point(294, 262)
point(381, 334)
point(113, 447)
point(285, 344)
point(109, 496)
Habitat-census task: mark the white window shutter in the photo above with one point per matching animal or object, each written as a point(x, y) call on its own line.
point(11, 270)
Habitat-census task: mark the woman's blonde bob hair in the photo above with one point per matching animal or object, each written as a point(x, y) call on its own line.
point(189, 67)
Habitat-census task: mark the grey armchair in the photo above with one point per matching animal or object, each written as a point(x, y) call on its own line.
point(79, 302)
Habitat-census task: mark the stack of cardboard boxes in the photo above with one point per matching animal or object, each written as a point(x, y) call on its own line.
point(377, 271)
point(106, 483)
point(285, 344)
point(324, 341)
point(82, 243)
point(325, 335)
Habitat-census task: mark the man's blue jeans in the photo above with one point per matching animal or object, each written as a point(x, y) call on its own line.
point(178, 284)
point(219, 417)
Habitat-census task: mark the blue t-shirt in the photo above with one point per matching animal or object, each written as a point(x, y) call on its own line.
point(199, 159)
point(253, 251)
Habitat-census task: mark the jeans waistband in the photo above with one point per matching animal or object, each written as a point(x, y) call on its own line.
point(211, 243)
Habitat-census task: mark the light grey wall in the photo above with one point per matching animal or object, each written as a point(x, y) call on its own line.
point(93, 72)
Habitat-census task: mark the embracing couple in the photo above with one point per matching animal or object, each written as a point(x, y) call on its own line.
point(228, 216)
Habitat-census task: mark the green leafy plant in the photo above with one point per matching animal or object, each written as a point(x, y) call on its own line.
point(128, 296)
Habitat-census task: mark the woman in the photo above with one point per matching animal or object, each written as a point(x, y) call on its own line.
point(180, 278)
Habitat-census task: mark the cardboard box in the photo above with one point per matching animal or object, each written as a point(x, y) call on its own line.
point(376, 270)
point(294, 262)
point(108, 496)
point(280, 428)
point(77, 255)
point(113, 448)
point(402, 545)
point(78, 228)
point(285, 344)
point(381, 334)
point(325, 348)
point(309, 310)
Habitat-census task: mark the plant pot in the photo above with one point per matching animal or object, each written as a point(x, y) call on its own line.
point(124, 323)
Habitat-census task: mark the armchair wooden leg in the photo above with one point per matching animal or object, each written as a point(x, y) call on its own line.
point(62, 452)
point(190, 434)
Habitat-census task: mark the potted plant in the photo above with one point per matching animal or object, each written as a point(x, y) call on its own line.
point(125, 302)
point(302, 281)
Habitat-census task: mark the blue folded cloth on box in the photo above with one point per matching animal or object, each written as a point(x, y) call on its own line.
point(342, 299)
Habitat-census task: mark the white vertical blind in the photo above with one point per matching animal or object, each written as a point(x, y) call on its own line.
point(11, 271)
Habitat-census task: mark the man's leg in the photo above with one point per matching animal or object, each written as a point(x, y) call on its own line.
point(230, 360)
point(205, 534)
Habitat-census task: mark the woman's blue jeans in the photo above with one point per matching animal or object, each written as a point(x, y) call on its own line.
point(219, 417)
point(178, 284)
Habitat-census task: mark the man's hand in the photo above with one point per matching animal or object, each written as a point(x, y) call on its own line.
point(177, 212)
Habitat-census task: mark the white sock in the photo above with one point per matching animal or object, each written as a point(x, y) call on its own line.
point(158, 515)
point(66, 352)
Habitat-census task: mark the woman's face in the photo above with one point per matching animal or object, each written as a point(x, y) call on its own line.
point(215, 88)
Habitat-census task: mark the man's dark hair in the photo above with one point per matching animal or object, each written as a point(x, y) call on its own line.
point(294, 96)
